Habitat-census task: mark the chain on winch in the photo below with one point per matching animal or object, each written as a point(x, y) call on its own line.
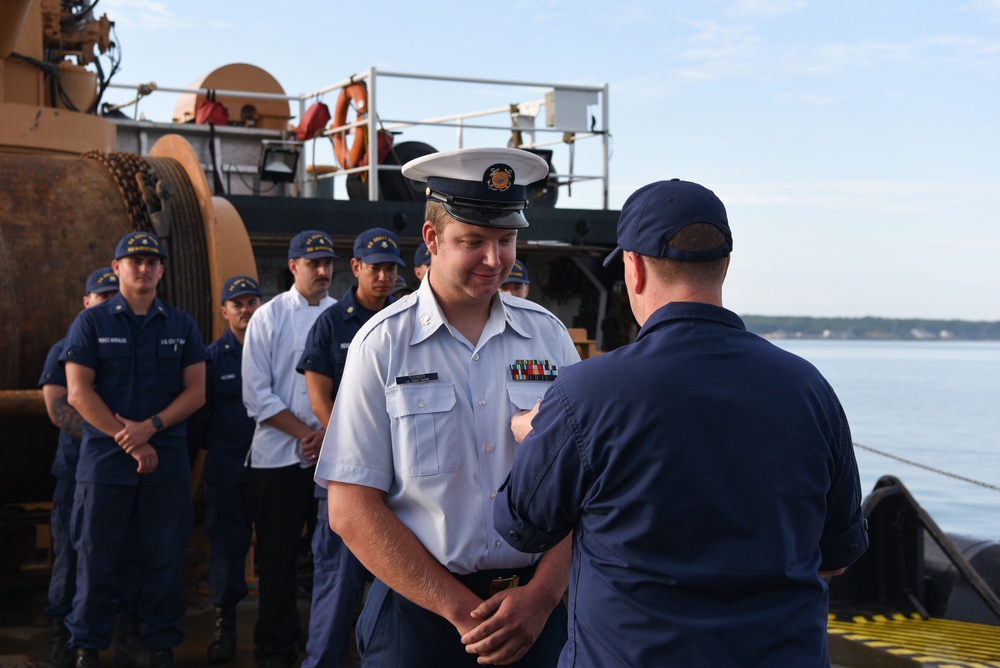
point(159, 198)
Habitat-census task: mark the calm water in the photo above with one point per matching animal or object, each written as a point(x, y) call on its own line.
point(933, 402)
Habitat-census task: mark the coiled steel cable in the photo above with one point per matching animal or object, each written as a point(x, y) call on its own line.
point(186, 283)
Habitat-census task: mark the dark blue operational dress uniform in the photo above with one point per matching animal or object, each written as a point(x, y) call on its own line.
point(227, 438)
point(692, 546)
point(138, 363)
point(62, 583)
point(337, 575)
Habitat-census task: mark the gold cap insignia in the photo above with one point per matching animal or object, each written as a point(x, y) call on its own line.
point(499, 177)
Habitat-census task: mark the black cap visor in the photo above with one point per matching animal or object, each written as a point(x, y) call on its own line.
point(501, 215)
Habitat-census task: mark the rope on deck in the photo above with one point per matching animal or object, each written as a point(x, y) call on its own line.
point(927, 467)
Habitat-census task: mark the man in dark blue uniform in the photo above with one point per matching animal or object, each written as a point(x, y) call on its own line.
point(337, 574)
point(225, 430)
point(421, 261)
point(135, 371)
point(517, 282)
point(101, 285)
point(712, 493)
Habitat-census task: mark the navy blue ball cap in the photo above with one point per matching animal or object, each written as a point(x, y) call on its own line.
point(377, 245)
point(518, 274)
point(311, 245)
point(401, 285)
point(237, 286)
point(140, 243)
point(422, 255)
point(653, 214)
point(480, 186)
point(102, 280)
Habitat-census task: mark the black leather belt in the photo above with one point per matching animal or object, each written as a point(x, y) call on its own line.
point(485, 584)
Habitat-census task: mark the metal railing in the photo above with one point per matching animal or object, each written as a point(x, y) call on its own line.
point(373, 122)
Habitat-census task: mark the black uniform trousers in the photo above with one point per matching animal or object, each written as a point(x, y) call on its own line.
point(281, 504)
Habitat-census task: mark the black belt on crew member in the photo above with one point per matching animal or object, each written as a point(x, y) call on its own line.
point(485, 584)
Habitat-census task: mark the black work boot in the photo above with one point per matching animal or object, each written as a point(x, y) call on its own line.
point(223, 646)
point(87, 658)
point(129, 652)
point(161, 657)
point(61, 656)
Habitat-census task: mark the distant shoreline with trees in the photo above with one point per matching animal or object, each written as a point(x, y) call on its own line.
point(913, 329)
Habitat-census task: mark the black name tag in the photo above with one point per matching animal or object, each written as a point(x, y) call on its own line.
point(416, 378)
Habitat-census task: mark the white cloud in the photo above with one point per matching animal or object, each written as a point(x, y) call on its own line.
point(765, 9)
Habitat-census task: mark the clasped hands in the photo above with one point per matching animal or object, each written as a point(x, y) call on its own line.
point(133, 438)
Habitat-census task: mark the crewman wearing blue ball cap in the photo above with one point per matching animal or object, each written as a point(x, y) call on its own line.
point(517, 283)
point(224, 430)
point(711, 496)
point(421, 261)
point(101, 285)
point(135, 371)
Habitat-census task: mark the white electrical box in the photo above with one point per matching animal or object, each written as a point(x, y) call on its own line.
point(566, 109)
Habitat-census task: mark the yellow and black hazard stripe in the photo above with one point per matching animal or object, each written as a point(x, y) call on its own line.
point(908, 639)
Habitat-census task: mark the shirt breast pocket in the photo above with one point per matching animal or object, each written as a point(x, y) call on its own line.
point(524, 394)
point(228, 385)
point(168, 368)
point(424, 428)
point(115, 362)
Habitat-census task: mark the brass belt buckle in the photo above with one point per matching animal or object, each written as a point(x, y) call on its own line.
point(499, 584)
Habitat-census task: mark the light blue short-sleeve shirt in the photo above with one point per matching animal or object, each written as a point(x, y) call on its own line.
point(424, 415)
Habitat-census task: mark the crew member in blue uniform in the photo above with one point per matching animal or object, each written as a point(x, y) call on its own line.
point(419, 440)
point(102, 284)
point(517, 283)
point(135, 371)
point(337, 575)
point(402, 288)
point(224, 429)
point(421, 261)
point(712, 493)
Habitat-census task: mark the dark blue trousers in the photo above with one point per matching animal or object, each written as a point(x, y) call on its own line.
point(102, 516)
point(337, 580)
point(62, 583)
point(229, 530)
point(394, 632)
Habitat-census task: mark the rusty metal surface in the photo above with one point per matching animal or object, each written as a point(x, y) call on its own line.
point(59, 220)
point(22, 402)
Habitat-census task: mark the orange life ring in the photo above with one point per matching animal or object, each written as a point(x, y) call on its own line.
point(350, 156)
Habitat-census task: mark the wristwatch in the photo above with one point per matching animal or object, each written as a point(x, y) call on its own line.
point(157, 422)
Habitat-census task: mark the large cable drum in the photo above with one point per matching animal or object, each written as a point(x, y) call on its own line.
point(60, 218)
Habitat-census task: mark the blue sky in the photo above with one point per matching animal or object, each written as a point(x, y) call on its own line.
point(855, 144)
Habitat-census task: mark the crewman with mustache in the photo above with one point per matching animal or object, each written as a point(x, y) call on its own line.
point(286, 441)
